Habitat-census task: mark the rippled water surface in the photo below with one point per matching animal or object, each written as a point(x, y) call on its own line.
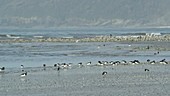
point(36, 54)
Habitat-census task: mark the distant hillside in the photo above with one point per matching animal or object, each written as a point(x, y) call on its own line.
point(63, 13)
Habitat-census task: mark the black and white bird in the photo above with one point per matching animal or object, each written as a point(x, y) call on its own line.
point(148, 60)
point(163, 61)
point(23, 74)
point(153, 62)
point(80, 64)
point(22, 66)
point(44, 65)
point(104, 73)
point(58, 68)
point(146, 69)
point(55, 65)
point(88, 63)
point(100, 63)
point(2, 69)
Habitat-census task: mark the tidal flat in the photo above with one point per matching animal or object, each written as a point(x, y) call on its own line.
point(121, 80)
point(79, 79)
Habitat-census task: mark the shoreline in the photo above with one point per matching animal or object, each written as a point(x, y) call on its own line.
point(74, 66)
point(129, 38)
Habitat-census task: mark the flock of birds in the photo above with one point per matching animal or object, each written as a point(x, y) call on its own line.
point(60, 66)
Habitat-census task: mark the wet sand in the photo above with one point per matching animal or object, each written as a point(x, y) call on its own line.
point(122, 80)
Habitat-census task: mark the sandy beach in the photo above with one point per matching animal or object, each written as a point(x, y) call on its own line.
point(130, 80)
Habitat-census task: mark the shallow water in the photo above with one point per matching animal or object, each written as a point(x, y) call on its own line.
point(35, 54)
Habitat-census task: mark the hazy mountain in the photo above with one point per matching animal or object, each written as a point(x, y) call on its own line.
point(63, 13)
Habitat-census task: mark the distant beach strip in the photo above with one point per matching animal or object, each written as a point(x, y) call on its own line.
point(102, 38)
